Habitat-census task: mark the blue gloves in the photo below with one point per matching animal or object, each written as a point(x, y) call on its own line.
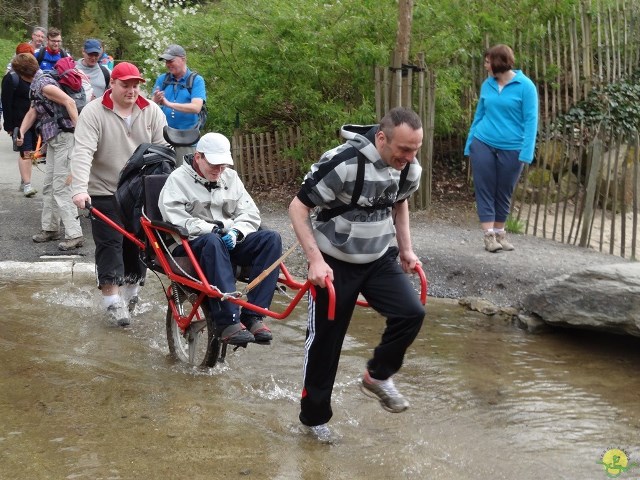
point(230, 239)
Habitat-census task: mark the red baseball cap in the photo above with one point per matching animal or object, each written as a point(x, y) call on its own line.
point(126, 71)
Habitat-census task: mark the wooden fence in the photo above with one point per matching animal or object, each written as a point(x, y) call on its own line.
point(266, 158)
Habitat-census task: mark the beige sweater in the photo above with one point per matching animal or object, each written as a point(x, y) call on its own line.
point(104, 142)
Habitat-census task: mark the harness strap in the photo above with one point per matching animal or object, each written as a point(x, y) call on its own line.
point(329, 213)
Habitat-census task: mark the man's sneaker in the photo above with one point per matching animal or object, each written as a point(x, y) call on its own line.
point(119, 314)
point(235, 334)
point(29, 191)
point(71, 243)
point(45, 236)
point(490, 243)
point(258, 329)
point(501, 238)
point(385, 391)
point(322, 433)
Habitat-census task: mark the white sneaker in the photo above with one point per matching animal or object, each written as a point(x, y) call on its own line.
point(28, 190)
point(322, 433)
point(386, 392)
point(119, 313)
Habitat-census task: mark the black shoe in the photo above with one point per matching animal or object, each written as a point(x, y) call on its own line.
point(235, 334)
point(257, 327)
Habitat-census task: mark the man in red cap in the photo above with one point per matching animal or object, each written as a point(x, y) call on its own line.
point(107, 134)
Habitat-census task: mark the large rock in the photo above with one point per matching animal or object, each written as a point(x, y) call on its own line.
point(600, 298)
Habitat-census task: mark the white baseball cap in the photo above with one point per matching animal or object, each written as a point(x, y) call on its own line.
point(216, 149)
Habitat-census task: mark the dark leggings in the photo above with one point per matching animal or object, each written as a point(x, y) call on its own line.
point(495, 174)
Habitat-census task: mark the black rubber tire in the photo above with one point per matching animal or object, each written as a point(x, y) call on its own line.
point(197, 346)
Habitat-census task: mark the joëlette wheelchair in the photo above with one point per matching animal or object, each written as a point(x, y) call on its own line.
point(190, 325)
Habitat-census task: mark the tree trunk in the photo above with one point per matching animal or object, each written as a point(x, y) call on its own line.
point(401, 53)
point(403, 35)
point(44, 14)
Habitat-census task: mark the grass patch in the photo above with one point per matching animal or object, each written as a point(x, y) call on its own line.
point(513, 225)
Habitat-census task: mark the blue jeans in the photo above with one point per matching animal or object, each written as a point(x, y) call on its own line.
point(258, 250)
point(495, 174)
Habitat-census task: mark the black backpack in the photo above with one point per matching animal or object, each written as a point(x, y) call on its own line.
point(147, 159)
point(168, 80)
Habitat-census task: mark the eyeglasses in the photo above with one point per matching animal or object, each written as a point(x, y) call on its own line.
point(55, 41)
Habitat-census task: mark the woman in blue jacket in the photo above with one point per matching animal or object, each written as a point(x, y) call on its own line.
point(501, 140)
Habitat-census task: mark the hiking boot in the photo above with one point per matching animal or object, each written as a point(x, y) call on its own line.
point(322, 433)
point(29, 191)
point(119, 314)
point(258, 329)
point(71, 243)
point(501, 238)
point(490, 243)
point(45, 236)
point(385, 391)
point(234, 334)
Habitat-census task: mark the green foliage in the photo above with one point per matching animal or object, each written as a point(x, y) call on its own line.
point(614, 107)
point(275, 65)
point(7, 50)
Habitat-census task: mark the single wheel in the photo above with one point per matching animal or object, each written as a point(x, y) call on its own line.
point(197, 345)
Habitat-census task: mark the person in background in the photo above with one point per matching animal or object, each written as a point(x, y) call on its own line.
point(358, 193)
point(57, 133)
point(179, 103)
point(15, 105)
point(48, 55)
point(38, 35)
point(108, 132)
point(106, 60)
point(99, 75)
point(208, 199)
point(501, 140)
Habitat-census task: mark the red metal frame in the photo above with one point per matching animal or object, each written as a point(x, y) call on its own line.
point(202, 285)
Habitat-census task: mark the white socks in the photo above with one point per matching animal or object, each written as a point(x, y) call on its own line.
point(129, 290)
point(108, 300)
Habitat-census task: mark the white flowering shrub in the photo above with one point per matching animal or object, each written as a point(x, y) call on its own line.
point(153, 23)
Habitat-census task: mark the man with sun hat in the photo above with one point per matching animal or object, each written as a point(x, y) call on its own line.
point(209, 200)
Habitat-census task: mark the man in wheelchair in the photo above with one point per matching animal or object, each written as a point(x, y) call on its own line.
point(209, 200)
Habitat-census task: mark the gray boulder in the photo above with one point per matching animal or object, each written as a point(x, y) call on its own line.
point(603, 298)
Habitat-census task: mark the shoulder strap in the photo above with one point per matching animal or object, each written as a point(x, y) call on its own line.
point(15, 79)
point(190, 80)
point(40, 54)
point(329, 213)
point(165, 81)
point(107, 76)
point(403, 176)
point(63, 53)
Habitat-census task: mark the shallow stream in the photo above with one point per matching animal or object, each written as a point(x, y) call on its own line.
point(81, 399)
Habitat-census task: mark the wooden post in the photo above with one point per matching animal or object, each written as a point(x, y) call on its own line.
point(589, 203)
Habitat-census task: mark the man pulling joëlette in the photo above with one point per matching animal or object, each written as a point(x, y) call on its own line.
point(350, 207)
